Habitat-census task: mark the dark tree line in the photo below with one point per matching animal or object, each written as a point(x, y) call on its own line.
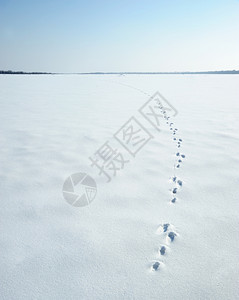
point(125, 73)
point(20, 72)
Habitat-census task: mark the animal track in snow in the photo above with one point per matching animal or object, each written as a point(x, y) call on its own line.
point(168, 235)
point(155, 266)
point(172, 235)
point(163, 228)
point(162, 250)
point(180, 182)
point(166, 229)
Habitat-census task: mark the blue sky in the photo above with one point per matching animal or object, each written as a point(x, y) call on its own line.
point(152, 35)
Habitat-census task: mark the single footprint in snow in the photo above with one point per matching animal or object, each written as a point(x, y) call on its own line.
point(178, 154)
point(174, 190)
point(179, 160)
point(183, 156)
point(172, 235)
point(174, 179)
point(180, 140)
point(178, 166)
point(180, 182)
point(163, 228)
point(155, 266)
point(173, 200)
point(174, 139)
point(162, 250)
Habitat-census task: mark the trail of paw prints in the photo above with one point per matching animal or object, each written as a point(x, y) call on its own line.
point(179, 156)
point(167, 230)
point(168, 236)
point(175, 179)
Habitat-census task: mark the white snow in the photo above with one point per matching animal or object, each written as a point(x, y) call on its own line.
point(51, 125)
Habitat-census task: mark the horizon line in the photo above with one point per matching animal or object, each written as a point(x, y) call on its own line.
point(121, 73)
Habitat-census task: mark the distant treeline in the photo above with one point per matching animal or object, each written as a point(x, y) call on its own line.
point(156, 73)
point(20, 72)
point(122, 73)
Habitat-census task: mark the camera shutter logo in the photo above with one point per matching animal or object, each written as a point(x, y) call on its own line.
point(79, 189)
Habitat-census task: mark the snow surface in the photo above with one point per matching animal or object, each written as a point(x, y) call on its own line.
point(52, 124)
